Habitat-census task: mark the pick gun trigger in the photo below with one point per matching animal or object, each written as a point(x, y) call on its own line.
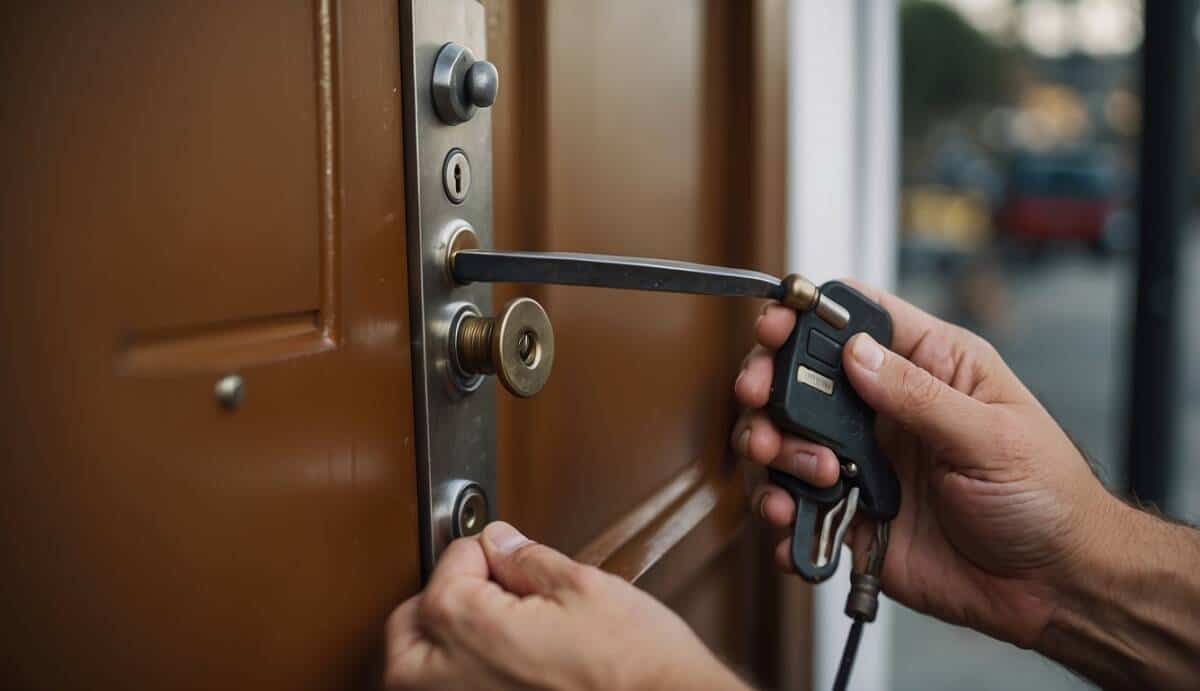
point(815, 555)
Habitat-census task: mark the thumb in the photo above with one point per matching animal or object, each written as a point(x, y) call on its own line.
point(939, 414)
point(524, 567)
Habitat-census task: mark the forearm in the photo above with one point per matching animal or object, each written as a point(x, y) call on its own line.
point(1130, 616)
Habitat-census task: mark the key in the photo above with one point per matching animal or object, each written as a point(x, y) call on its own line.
point(810, 395)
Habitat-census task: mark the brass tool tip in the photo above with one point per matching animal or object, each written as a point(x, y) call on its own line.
point(803, 295)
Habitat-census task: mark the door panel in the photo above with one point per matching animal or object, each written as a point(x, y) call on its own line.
point(193, 191)
point(161, 110)
point(652, 129)
point(625, 368)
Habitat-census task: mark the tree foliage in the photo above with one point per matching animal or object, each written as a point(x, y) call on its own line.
point(946, 65)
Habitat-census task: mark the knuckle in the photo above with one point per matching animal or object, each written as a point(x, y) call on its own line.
point(438, 607)
point(400, 674)
point(973, 346)
point(979, 351)
point(528, 558)
point(1010, 440)
point(395, 621)
point(919, 389)
point(477, 603)
point(581, 578)
point(983, 348)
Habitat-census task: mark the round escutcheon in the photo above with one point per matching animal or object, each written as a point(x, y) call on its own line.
point(523, 347)
point(470, 511)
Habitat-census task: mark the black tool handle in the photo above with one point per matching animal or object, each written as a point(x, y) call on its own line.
point(811, 397)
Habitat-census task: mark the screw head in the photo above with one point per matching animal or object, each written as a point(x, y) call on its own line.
point(230, 392)
point(850, 469)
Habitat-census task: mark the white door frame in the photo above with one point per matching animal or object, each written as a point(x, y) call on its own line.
point(842, 195)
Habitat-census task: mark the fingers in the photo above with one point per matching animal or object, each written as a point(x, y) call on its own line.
point(460, 591)
point(815, 464)
point(910, 324)
point(462, 559)
point(524, 567)
point(412, 661)
point(942, 416)
point(457, 599)
point(774, 326)
point(402, 628)
point(783, 555)
point(753, 385)
point(755, 437)
point(952, 354)
point(774, 505)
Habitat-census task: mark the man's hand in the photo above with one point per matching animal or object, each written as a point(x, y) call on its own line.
point(997, 504)
point(502, 612)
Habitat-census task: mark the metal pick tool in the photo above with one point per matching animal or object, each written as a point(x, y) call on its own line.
point(638, 273)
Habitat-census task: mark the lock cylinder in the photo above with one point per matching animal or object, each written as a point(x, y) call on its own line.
point(517, 346)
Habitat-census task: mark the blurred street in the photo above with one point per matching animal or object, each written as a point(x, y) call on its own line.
point(1066, 333)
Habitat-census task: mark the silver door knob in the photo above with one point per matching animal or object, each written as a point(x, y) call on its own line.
point(462, 84)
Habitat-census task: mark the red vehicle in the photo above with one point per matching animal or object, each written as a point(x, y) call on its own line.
point(1072, 199)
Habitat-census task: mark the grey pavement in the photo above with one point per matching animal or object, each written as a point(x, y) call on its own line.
point(1067, 335)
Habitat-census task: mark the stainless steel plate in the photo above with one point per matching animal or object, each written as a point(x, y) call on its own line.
point(456, 431)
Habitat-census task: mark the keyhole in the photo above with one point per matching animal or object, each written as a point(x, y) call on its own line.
point(527, 348)
point(456, 176)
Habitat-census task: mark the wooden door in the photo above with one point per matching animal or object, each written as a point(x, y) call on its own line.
point(190, 191)
point(194, 191)
point(653, 129)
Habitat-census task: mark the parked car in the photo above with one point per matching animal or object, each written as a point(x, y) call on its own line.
point(1065, 199)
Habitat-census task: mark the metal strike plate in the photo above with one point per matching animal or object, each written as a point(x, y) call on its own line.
point(455, 429)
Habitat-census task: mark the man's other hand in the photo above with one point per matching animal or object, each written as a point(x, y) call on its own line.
point(503, 612)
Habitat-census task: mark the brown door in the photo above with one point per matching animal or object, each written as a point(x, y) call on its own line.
point(652, 129)
point(202, 195)
point(193, 191)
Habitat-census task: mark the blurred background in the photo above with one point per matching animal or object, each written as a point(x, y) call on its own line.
point(1019, 175)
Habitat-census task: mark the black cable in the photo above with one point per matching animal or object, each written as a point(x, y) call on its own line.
point(848, 654)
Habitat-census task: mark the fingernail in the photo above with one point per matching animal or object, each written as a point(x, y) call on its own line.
point(505, 538)
point(739, 379)
point(868, 353)
point(744, 443)
point(804, 464)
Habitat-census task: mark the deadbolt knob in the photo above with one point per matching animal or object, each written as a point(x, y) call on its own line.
point(517, 346)
point(462, 84)
point(483, 82)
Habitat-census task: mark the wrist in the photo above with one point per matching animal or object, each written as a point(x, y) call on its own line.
point(707, 674)
point(1124, 595)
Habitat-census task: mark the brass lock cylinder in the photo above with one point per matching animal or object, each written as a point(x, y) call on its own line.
point(517, 346)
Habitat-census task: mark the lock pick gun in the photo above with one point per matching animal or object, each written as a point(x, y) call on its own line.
point(810, 395)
